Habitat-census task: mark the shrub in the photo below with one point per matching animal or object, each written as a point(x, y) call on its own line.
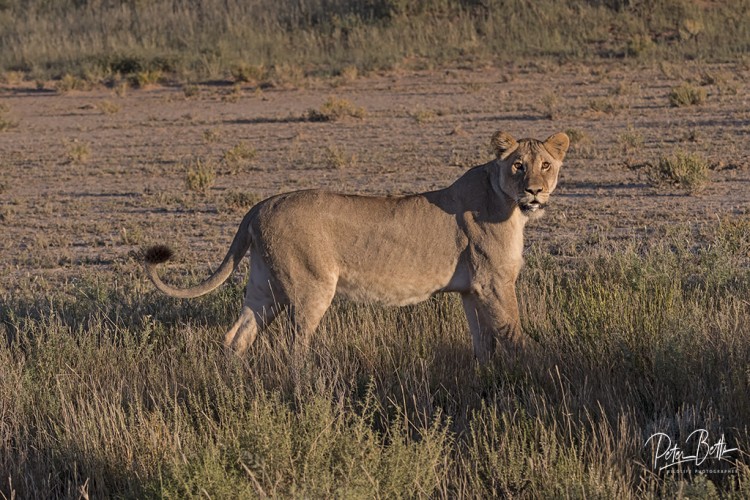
point(688, 171)
point(238, 156)
point(78, 152)
point(6, 123)
point(335, 109)
point(108, 107)
point(200, 177)
point(336, 158)
point(687, 95)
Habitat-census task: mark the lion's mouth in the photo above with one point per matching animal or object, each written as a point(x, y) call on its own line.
point(531, 206)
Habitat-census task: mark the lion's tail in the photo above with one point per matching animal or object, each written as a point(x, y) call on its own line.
point(159, 254)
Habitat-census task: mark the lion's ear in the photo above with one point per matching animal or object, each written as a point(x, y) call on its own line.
point(503, 144)
point(557, 145)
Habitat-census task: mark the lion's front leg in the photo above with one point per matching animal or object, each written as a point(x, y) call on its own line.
point(493, 317)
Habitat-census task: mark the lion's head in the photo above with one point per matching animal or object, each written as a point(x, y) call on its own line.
point(527, 169)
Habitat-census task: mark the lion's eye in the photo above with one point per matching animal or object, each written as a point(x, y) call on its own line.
point(546, 165)
point(518, 167)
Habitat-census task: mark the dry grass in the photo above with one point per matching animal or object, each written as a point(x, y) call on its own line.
point(239, 157)
point(6, 122)
point(284, 42)
point(200, 176)
point(108, 107)
point(113, 389)
point(687, 95)
point(78, 152)
point(687, 171)
point(334, 109)
point(336, 158)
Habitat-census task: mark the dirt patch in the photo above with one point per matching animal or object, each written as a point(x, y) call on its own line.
point(88, 178)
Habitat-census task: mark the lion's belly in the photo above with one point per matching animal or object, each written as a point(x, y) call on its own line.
point(390, 288)
point(395, 293)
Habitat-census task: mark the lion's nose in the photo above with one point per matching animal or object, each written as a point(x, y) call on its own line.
point(533, 190)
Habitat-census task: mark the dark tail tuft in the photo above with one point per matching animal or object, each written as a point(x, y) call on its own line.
point(158, 254)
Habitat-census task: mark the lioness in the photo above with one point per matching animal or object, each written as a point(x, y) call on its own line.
point(307, 246)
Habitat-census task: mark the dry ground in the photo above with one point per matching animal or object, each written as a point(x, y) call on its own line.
point(89, 177)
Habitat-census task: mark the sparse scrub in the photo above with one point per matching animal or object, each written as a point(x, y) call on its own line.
point(211, 135)
point(6, 123)
point(78, 152)
point(131, 235)
point(234, 95)
point(11, 77)
point(190, 91)
point(640, 45)
point(147, 78)
point(238, 157)
point(550, 106)
point(240, 200)
point(200, 176)
point(604, 105)
point(687, 95)
point(422, 115)
point(69, 82)
point(108, 107)
point(336, 158)
point(631, 140)
point(249, 73)
point(686, 170)
point(347, 75)
point(581, 143)
point(335, 109)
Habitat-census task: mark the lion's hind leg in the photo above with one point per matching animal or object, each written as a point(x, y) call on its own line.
point(255, 316)
point(259, 309)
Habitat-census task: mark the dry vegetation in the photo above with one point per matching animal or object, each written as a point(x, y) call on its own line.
point(636, 288)
point(282, 42)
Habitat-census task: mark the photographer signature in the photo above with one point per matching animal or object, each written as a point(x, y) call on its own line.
point(696, 443)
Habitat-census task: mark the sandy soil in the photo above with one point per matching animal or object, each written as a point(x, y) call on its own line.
point(88, 178)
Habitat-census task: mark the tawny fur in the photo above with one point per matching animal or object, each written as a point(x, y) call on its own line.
point(307, 246)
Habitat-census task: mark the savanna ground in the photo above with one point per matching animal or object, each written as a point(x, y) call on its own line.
point(637, 283)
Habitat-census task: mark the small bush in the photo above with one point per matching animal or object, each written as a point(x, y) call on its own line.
point(191, 91)
point(69, 82)
point(147, 78)
point(200, 177)
point(580, 143)
point(249, 73)
point(240, 200)
point(335, 109)
point(550, 106)
point(238, 156)
point(604, 105)
point(6, 123)
point(688, 171)
point(211, 135)
point(422, 115)
point(640, 45)
point(630, 140)
point(78, 152)
point(687, 95)
point(108, 107)
point(336, 158)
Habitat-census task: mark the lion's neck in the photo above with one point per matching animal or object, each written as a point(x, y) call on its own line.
point(489, 220)
point(473, 192)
